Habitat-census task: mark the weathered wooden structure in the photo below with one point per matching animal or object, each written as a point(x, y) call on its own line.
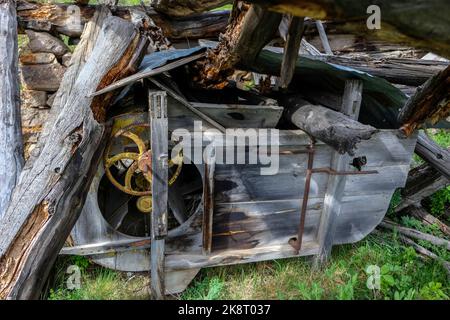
point(324, 137)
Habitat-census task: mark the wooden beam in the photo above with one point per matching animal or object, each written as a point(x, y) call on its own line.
point(56, 17)
point(430, 103)
point(419, 212)
point(423, 25)
point(291, 49)
point(11, 146)
point(160, 190)
point(250, 29)
point(434, 154)
point(182, 8)
point(351, 105)
point(323, 38)
point(334, 128)
point(51, 193)
point(422, 182)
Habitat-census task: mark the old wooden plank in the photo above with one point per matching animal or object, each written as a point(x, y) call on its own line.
point(11, 149)
point(160, 189)
point(291, 50)
point(323, 38)
point(208, 201)
point(336, 184)
point(50, 194)
point(434, 154)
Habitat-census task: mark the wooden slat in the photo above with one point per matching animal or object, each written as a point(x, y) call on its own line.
point(160, 152)
point(336, 184)
point(208, 201)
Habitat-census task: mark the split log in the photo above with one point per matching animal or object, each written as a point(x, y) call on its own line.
point(420, 213)
point(334, 128)
point(430, 103)
point(186, 7)
point(50, 194)
point(291, 49)
point(434, 154)
point(422, 182)
point(250, 29)
point(412, 233)
point(56, 17)
point(11, 150)
point(420, 24)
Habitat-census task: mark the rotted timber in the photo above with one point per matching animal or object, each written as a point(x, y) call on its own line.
point(51, 193)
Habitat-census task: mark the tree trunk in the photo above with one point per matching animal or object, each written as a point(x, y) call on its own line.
point(434, 154)
point(332, 127)
point(186, 7)
point(11, 149)
point(51, 194)
point(431, 102)
point(56, 17)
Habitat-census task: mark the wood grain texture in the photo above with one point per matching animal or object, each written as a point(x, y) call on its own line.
point(11, 148)
point(434, 154)
point(291, 50)
point(160, 190)
point(351, 104)
point(51, 193)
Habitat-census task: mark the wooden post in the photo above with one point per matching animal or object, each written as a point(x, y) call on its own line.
point(208, 202)
point(336, 184)
point(160, 191)
point(11, 150)
point(291, 49)
point(324, 38)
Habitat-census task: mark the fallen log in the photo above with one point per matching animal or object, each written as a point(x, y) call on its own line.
point(11, 149)
point(412, 233)
point(419, 213)
point(186, 7)
point(57, 17)
point(420, 24)
point(50, 194)
point(430, 103)
point(332, 127)
point(434, 154)
point(422, 182)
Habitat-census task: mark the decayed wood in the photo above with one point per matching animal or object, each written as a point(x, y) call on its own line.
point(430, 103)
point(351, 104)
point(292, 47)
point(412, 233)
point(50, 194)
point(186, 7)
point(160, 190)
point(250, 29)
point(53, 16)
point(420, 213)
point(334, 128)
point(422, 182)
point(434, 154)
point(422, 24)
point(11, 150)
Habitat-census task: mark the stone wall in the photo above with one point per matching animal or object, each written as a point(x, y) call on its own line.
point(43, 61)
